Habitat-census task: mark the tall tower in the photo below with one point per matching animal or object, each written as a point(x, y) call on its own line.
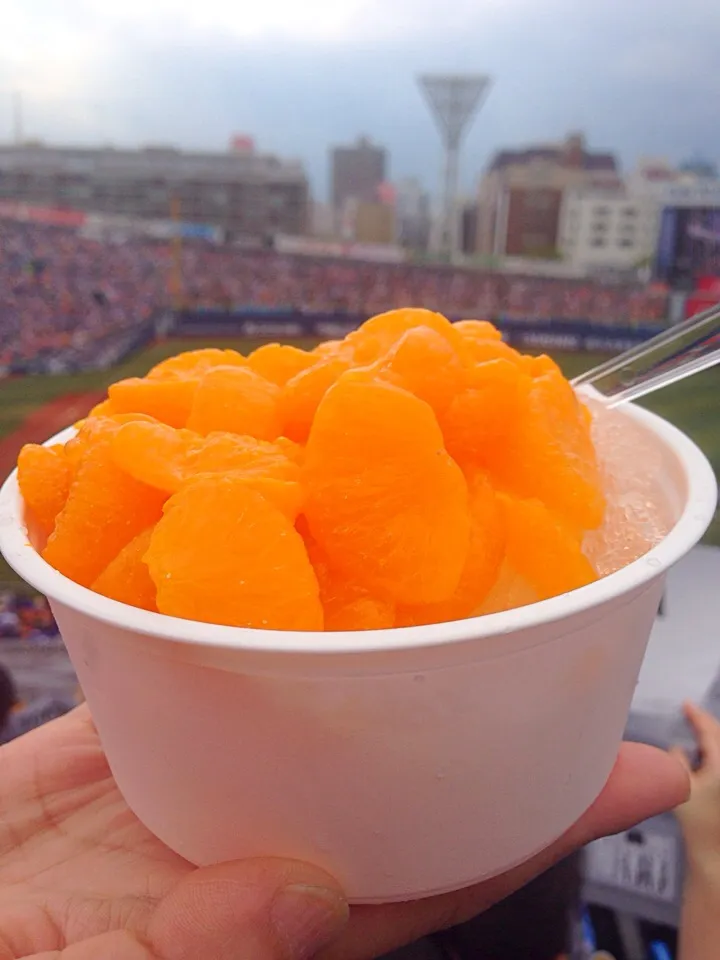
point(453, 101)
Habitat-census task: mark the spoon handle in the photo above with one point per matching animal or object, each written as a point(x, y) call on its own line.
point(676, 353)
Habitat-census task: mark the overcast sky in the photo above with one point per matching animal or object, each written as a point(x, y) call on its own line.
point(638, 76)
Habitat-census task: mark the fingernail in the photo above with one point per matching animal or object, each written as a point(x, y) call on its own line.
point(306, 918)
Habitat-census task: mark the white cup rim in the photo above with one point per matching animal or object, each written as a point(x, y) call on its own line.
point(691, 525)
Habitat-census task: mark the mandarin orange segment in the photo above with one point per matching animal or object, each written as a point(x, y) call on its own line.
point(426, 364)
point(127, 578)
point(362, 613)
point(195, 363)
point(509, 591)
point(89, 432)
point(482, 420)
point(44, 478)
point(105, 510)
point(488, 541)
point(539, 366)
point(303, 393)
point(485, 556)
point(154, 453)
point(378, 334)
point(293, 451)
point(167, 458)
point(236, 400)
point(102, 409)
point(334, 350)
point(541, 551)
point(222, 452)
point(169, 401)
point(553, 457)
point(278, 362)
point(385, 502)
point(287, 495)
point(346, 605)
point(327, 348)
point(223, 554)
point(480, 351)
point(478, 330)
point(415, 472)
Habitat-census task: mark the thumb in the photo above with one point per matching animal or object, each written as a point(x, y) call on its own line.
point(255, 909)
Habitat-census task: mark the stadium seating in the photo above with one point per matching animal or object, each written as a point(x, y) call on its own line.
point(72, 302)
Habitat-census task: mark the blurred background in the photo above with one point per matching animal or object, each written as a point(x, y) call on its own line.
point(178, 174)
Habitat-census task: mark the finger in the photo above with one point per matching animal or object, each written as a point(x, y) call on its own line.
point(110, 946)
point(254, 909)
point(681, 756)
point(644, 782)
point(707, 732)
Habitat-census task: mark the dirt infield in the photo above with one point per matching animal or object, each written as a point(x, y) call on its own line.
point(44, 422)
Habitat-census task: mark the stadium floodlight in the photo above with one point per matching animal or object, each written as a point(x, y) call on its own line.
point(453, 101)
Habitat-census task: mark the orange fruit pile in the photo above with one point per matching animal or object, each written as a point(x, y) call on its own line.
point(417, 471)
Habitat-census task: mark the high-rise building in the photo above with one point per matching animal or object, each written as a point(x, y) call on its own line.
point(357, 172)
point(619, 225)
point(520, 195)
point(245, 193)
point(412, 214)
point(468, 216)
point(322, 221)
point(374, 223)
point(607, 228)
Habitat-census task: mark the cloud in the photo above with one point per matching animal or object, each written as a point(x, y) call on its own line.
point(639, 79)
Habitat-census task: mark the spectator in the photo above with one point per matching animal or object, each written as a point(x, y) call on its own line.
point(700, 822)
point(63, 294)
point(9, 620)
point(8, 697)
point(15, 719)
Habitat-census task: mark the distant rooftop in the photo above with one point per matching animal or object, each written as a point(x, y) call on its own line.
point(700, 167)
point(147, 160)
point(571, 153)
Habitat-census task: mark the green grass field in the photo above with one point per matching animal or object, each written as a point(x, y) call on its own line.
point(691, 405)
point(20, 396)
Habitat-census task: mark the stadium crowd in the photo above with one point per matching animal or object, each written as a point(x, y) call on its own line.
point(60, 290)
point(228, 279)
point(25, 616)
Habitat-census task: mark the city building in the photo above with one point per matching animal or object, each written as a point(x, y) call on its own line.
point(607, 229)
point(620, 225)
point(241, 191)
point(468, 215)
point(322, 220)
point(700, 167)
point(520, 195)
point(357, 172)
point(374, 223)
point(412, 215)
point(653, 177)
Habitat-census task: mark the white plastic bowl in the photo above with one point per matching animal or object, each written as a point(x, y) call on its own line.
point(406, 762)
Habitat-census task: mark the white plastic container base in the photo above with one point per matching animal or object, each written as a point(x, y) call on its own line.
point(406, 762)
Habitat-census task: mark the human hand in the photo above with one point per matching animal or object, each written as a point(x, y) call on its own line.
point(82, 879)
point(700, 815)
